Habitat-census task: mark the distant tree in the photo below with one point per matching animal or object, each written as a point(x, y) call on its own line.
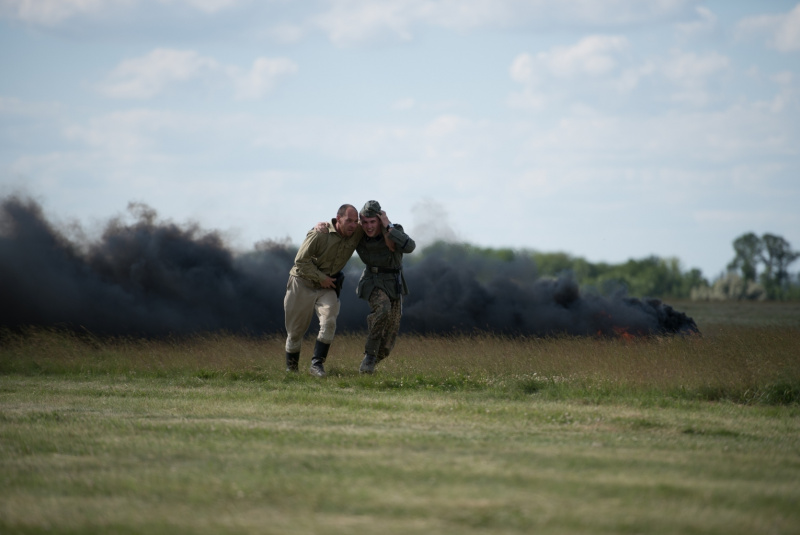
point(552, 264)
point(650, 277)
point(749, 250)
point(647, 277)
point(693, 279)
point(777, 255)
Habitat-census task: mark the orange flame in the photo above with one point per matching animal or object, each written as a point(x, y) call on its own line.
point(622, 332)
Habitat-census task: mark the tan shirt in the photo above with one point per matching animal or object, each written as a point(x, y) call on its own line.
point(323, 254)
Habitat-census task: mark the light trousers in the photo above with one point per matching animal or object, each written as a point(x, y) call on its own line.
point(300, 304)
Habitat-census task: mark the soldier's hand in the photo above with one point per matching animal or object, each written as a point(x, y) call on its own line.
point(384, 219)
point(321, 227)
point(328, 283)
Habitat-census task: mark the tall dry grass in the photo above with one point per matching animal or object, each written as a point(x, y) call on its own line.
point(740, 363)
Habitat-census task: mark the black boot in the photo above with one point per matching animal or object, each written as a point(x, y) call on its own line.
point(368, 364)
point(317, 361)
point(292, 360)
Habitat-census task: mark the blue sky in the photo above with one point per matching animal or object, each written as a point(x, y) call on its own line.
point(608, 129)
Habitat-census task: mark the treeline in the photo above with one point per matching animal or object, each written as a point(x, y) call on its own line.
point(647, 277)
point(758, 271)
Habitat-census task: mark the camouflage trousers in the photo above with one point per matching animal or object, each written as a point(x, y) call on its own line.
point(383, 323)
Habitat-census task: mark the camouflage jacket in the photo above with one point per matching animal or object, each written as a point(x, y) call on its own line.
point(384, 268)
point(323, 254)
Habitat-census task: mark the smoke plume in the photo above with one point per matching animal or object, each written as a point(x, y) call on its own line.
point(149, 277)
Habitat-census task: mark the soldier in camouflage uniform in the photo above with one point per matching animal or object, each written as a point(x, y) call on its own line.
point(382, 283)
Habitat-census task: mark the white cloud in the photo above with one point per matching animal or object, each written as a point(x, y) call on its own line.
point(601, 66)
point(263, 77)
point(782, 31)
point(445, 125)
point(787, 35)
point(690, 68)
point(349, 22)
point(706, 22)
point(691, 72)
point(150, 75)
point(615, 12)
point(786, 97)
point(404, 104)
point(206, 6)
point(126, 132)
point(599, 140)
point(443, 139)
point(631, 76)
point(53, 12)
point(523, 69)
point(591, 56)
point(147, 76)
point(550, 75)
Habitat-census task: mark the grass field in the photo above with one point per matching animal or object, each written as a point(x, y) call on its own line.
point(468, 434)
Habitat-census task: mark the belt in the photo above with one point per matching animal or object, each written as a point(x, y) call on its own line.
point(374, 269)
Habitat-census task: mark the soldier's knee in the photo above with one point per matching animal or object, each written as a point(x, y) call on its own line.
point(383, 312)
point(327, 329)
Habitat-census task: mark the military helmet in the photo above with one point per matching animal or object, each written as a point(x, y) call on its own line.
point(371, 209)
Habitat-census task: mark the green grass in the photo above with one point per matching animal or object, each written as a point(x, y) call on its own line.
point(463, 435)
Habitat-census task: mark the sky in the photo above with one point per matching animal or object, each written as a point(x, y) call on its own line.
point(606, 129)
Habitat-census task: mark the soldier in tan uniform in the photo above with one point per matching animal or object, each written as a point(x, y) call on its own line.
point(312, 286)
point(382, 283)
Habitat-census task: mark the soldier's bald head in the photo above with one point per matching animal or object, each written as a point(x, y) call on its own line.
point(344, 208)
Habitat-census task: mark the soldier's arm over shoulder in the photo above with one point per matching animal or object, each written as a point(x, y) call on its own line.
point(404, 242)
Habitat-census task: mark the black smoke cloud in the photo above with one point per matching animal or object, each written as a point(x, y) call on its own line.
point(148, 277)
point(456, 289)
